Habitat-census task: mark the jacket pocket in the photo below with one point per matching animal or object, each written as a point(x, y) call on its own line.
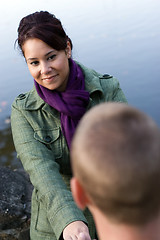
point(51, 138)
point(40, 225)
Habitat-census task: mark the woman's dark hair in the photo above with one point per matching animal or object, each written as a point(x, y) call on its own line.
point(44, 26)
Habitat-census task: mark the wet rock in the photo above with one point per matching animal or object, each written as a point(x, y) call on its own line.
point(15, 203)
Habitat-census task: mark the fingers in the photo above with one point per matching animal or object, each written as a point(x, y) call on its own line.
point(80, 236)
point(83, 236)
point(71, 238)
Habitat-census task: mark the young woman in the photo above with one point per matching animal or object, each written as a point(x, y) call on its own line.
point(44, 120)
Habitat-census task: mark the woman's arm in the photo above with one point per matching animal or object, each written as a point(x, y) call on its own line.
point(39, 162)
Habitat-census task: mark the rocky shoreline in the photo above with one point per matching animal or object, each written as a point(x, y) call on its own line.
point(15, 204)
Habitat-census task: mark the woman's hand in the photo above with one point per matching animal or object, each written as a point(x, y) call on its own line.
point(76, 231)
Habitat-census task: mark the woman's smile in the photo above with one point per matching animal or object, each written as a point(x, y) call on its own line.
point(50, 79)
point(49, 67)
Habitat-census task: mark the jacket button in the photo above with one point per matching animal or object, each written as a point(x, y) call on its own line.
point(48, 139)
point(106, 75)
point(21, 96)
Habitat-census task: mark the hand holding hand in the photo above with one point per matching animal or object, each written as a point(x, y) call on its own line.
point(76, 231)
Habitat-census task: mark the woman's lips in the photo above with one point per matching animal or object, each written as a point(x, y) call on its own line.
point(49, 79)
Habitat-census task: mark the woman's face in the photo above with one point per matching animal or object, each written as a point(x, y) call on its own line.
point(49, 67)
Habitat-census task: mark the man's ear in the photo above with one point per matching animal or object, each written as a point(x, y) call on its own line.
point(79, 194)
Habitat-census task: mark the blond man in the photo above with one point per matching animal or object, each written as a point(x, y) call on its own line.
point(116, 165)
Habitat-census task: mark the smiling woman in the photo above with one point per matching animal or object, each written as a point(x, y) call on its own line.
point(44, 121)
point(49, 67)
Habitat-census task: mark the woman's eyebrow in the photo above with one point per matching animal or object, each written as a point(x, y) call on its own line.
point(52, 51)
point(31, 59)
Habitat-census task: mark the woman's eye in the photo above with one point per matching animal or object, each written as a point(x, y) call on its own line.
point(35, 63)
point(52, 57)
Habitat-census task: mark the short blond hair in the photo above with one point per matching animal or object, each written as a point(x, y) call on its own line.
point(116, 157)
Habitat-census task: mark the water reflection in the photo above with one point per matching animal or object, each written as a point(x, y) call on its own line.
point(7, 150)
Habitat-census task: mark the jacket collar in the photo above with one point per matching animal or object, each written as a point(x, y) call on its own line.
point(92, 84)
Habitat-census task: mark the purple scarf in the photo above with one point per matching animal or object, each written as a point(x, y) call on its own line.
point(71, 104)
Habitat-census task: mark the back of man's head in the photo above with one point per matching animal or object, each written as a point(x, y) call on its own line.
point(116, 158)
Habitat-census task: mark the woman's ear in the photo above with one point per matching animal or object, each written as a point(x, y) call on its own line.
point(68, 50)
point(79, 194)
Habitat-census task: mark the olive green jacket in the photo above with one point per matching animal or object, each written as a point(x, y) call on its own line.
point(42, 148)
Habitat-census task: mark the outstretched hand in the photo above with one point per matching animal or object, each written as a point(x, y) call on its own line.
point(76, 231)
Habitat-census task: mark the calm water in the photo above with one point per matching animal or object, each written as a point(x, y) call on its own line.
point(118, 37)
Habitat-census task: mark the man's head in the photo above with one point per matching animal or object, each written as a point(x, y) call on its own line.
point(116, 162)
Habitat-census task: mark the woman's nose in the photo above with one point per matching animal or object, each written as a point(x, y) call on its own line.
point(45, 68)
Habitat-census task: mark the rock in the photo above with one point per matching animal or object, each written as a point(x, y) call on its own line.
point(15, 203)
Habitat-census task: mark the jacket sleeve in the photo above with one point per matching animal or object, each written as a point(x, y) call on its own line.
point(112, 90)
point(40, 164)
point(118, 95)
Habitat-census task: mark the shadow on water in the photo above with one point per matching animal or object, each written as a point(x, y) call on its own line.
point(8, 155)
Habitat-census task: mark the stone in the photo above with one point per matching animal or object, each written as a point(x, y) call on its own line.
point(15, 203)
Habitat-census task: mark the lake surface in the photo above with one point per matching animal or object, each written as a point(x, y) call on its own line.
point(118, 37)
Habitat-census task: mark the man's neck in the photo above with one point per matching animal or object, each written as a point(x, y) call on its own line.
point(108, 230)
